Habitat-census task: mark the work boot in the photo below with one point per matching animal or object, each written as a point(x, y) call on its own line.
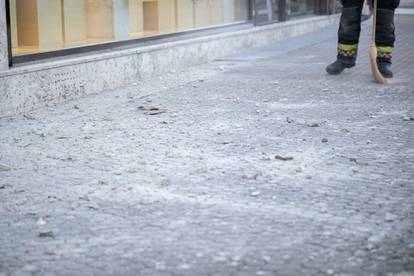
point(348, 36)
point(385, 69)
point(338, 66)
point(384, 39)
point(384, 57)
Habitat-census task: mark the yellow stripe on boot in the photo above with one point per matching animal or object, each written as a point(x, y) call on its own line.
point(347, 47)
point(385, 49)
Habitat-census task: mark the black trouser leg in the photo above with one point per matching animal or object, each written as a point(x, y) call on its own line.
point(385, 35)
point(349, 30)
point(385, 30)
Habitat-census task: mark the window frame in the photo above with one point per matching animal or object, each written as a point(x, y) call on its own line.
point(8, 27)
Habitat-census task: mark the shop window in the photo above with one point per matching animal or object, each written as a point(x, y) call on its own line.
point(39, 26)
point(268, 11)
point(150, 16)
point(298, 7)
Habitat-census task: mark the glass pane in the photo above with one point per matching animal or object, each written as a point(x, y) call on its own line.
point(45, 25)
point(299, 6)
point(266, 11)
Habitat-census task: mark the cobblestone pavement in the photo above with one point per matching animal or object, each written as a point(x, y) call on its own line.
point(262, 166)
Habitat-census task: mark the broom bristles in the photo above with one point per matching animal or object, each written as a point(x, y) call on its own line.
point(379, 78)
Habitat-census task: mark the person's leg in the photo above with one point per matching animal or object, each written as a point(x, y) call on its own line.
point(385, 35)
point(348, 36)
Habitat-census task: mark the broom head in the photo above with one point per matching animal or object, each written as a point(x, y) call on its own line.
point(379, 78)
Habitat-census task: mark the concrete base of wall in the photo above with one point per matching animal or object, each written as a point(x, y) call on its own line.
point(31, 86)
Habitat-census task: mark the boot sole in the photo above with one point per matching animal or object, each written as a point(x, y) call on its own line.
point(334, 72)
point(330, 72)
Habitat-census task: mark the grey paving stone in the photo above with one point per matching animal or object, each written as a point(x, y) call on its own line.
point(196, 190)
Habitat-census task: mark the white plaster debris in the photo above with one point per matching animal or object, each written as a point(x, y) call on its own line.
point(121, 192)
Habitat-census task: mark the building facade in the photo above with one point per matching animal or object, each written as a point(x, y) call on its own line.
point(41, 26)
point(33, 33)
point(48, 25)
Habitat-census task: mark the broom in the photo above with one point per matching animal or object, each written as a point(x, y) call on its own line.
point(379, 78)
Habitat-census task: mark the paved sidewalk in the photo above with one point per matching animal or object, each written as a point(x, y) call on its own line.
point(256, 164)
point(407, 4)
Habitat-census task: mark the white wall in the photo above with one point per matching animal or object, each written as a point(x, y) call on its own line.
point(75, 21)
point(201, 13)
point(229, 10)
point(166, 15)
point(135, 16)
point(121, 19)
point(49, 16)
point(185, 14)
point(99, 23)
point(13, 23)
